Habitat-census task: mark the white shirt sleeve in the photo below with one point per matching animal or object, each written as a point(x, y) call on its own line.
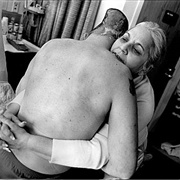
point(91, 154)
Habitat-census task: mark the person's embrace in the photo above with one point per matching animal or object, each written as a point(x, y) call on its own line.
point(140, 49)
point(69, 90)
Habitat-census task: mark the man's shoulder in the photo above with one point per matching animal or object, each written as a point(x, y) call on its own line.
point(57, 45)
point(122, 76)
point(113, 67)
point(61, 41)
point(122, 70)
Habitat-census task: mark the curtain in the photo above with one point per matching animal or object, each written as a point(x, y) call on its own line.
point(68, 19)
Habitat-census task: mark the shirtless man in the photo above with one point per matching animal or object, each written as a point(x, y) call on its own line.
point(71, 88)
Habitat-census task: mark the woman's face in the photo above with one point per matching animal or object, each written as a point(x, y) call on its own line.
point(132, 48)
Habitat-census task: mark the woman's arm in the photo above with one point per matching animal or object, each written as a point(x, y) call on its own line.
point(91, 154)
point(74, 153)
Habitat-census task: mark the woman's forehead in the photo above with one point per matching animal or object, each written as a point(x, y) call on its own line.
point(141, 35)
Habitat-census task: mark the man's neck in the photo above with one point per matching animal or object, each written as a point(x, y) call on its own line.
point(102, 40)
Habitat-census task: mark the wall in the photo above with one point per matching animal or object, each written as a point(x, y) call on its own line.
point(158, 75)
point(131, 8)
point(8, 4)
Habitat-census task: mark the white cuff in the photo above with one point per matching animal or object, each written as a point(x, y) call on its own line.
point(81, 153)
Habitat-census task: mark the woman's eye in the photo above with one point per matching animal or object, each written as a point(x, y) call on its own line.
point(137, 52)
point(124, 39)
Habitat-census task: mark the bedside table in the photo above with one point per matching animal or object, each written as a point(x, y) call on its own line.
point(18, 61)
point(9, 47)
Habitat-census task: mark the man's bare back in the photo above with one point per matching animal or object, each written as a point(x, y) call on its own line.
point(70, 88)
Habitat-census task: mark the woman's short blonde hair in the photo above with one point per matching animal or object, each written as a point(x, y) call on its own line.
point(158, 47)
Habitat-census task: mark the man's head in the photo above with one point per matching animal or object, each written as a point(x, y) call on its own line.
point(114, 24)
point(140, 47)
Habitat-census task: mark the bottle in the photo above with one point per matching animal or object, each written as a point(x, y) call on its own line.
point(13, 36)
point(10, 27)
point(4, 23)
point(20, 28)
point(19, 36)
point(16, 27)
point(12, 19)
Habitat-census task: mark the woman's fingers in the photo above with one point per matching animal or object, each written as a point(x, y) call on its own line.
point(5, 128)
point(18, 122)
point(6, 131)
point(6, 149)
point(13, 118)
point(9, 123)
point(4, 146)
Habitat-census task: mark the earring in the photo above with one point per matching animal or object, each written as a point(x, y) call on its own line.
point(142, 72)
point(150, 68)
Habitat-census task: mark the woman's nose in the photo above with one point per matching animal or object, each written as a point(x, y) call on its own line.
point(124, 49)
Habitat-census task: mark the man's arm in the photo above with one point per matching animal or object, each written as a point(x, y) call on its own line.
point(122, 138)
point(145, 103)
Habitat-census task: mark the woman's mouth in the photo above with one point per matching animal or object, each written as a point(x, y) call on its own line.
point(118, 57)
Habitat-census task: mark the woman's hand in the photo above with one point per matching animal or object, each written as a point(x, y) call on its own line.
point(4, 146)
point(12, 117)
point(20, 137)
